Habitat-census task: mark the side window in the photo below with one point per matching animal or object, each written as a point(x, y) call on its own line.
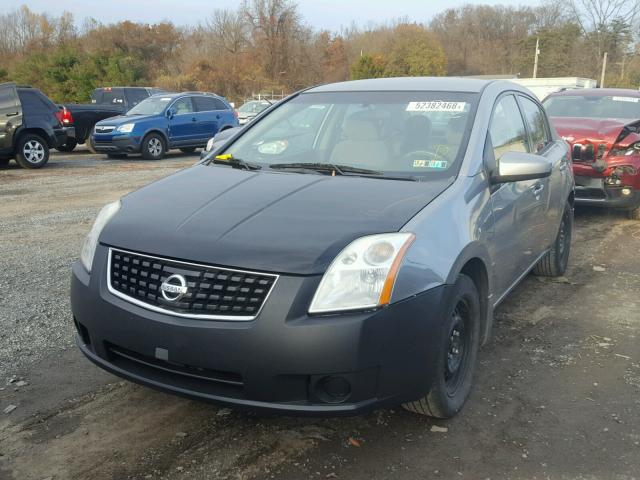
point(183, 106)
point(135, 95)
point(220, 105)
point(537, 123)
point(206, 104)
point(507, 128)
point(7, 98)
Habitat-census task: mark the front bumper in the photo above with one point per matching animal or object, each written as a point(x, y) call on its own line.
point(592, 191)
point(108, 143)
point(279, 362)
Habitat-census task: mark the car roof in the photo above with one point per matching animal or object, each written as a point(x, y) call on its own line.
point(176, 95)
point(597, 92)
point(443, 84)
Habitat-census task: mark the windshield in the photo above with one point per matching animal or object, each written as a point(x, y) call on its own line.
point(609, 106)
point(421, 134)
point(253, 107)
point(150, 106)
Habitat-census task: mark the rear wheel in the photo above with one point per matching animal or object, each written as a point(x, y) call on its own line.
point(555, 261)
point(33, 151)
point(153, 147)
point(69, 146)
point(459, 340)
point(634, 214)
point(188, 150)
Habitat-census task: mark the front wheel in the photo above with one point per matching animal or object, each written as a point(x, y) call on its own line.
point(153, 147)
point(459, 340)
point(555, 261)
point(33, 151)
point(634, 214)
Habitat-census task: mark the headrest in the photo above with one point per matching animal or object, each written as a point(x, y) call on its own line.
point(418, 125)
point(359, 127)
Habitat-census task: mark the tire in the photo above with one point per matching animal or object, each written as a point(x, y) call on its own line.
point(457, 353)
point(555, 261)
point(634, 214)
point(69, 146)
point(188, 150)
point(153, 147)
point(116, 155)
point(32, 151)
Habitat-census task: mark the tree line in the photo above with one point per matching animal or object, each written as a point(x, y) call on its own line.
point(267, 46)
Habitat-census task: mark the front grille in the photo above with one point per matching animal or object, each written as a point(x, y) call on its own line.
point(211, 292)
point(105, 129)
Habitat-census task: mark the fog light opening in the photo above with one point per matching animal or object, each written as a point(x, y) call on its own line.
point(626, 191)
point(333, 389)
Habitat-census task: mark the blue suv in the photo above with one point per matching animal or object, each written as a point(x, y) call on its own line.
point(162, 122)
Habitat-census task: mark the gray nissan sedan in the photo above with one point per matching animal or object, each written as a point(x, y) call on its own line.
point(344, 251)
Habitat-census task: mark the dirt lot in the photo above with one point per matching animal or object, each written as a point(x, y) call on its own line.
point(557, 393)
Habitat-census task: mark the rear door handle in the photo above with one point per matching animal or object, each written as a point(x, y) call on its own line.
point(194, 119)
point(12, 114)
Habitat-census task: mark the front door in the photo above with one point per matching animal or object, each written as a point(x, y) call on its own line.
point(10, 115)
point(183, 124)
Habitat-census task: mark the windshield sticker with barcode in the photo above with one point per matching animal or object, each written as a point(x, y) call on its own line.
point(435, 164)
point(626, 99)
point(436, 106)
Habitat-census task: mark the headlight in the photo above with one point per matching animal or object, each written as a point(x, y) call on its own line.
point(209, 145)
point(90, 243)
point(126, 128)
point(363, 274)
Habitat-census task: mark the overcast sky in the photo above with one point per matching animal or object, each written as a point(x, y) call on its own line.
point(329, 14)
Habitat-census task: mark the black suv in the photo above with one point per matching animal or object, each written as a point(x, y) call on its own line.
point(30, 124)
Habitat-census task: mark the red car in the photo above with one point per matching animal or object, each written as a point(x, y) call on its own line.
point(603, 127)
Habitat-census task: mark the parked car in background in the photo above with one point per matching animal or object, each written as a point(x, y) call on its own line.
point(344, 251)
point(603, 127)
point(30, 124)
point(218, 140)
point(162, 122)
point(250, 109)
point(105, 102)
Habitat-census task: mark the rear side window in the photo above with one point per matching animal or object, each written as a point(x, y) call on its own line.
point(7, 97)
point(135, 95)
point(507, 128)
point(537, 124)
point(208, 104)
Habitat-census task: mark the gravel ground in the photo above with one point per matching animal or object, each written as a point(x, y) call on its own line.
point(557, 393)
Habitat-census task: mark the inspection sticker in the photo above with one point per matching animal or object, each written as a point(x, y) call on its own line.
point(437, 164)
point(436, 106)
point(626, 99)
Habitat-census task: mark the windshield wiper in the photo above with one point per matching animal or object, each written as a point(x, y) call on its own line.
point(233, 162)
point(337, 169)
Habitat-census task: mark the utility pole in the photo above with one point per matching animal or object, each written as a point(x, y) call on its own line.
point(535, 63)
point(604, 69)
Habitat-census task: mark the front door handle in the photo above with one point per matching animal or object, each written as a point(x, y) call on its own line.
point(194, 119)
point(537, 188)
point(12, 114)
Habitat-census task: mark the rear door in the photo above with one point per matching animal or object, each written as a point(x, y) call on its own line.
point(10, 115)
point(209, 116)
point(183, 126)
point(518, 207)
point(543, 144)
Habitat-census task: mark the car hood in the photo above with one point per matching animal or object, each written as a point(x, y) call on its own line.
point(275, 222)
point(122, 119)
point(594, 130)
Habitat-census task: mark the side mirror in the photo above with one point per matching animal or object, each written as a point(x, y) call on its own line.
point(518, 166)
point(170, 113)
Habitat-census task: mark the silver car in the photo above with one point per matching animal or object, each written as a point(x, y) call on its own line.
point(342, 252)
